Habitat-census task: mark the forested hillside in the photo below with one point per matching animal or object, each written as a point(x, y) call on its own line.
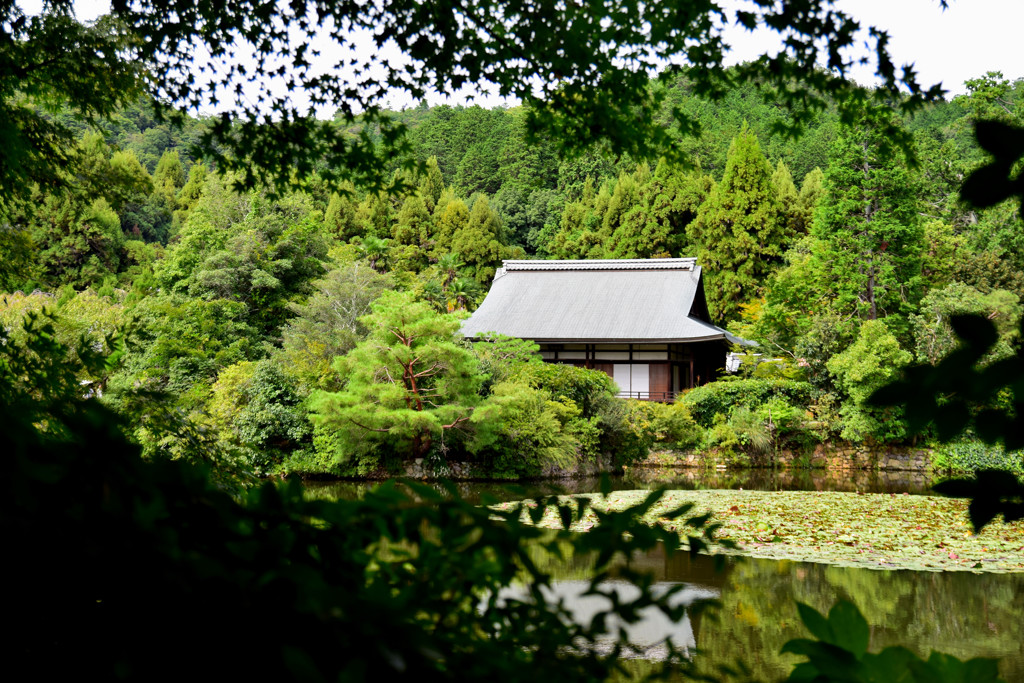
point(842, 256)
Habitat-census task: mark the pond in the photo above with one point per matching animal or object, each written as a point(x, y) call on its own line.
point(961, 613)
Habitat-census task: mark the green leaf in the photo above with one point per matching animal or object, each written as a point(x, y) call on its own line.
point(849, 628)
point(816, 623)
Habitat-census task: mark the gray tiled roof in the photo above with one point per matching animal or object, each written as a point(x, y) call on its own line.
point(599, 300)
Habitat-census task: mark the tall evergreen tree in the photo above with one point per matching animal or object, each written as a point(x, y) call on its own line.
point(740, 230)
point(450, 216)
point(413, 222)
point(342, 217)
point(481, 242)
point(789, 198)
point(868, 238)
point(432, 184)
point(169, 171)
point(811, 192)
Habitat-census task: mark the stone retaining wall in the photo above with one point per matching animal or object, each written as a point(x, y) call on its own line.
point(830, 456)
point(469, 471)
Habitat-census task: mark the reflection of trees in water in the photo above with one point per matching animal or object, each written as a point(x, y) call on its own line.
point(654, 477)
point(963, 614)
point(474, 491)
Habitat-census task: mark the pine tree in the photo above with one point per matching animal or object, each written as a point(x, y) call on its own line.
point(407, 385)
point(740, 229)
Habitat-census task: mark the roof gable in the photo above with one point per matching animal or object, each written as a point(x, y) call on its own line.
point(638, 300)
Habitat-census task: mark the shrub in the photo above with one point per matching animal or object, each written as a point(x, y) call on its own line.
point(670, 425)
point(328, 457)
point(969, 454)
point(588, 389)
point(751, 431)
point(676, 428)
point(620, 438)
point(642, 417)
point(722, 436)
point(719, 398)
point(520, 430)
point(787, 423)
point(254, 407)
point(871, 362)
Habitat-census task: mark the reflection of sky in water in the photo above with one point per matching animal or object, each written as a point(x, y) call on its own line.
point(652, 627)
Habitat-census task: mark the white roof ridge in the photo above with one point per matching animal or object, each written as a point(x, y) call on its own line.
point(688, 263)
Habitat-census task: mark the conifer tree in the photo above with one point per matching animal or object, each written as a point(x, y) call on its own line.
point(481, 243)
point(579, 228)
point(375, 214)
point(740, 230)
point(450, 216)
point(169, 171)
point(190, 193)
point(675, 198)
point(341, 217)
point(789, 198)
point(868, 239)
point(432, 184)
point(629, 226)
point(624, 198)
point(413, 224)
point(407, 385)
point(811, 192)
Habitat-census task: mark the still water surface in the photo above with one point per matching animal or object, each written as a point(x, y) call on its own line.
point(964, 614)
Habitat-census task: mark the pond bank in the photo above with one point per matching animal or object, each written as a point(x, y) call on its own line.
point(847, 464)
point(844, 459)
point(838, 456)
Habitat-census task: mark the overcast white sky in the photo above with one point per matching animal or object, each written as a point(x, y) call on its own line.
point(948, 47)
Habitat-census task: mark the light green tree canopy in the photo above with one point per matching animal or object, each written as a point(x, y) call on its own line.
point(407, 384)
point(871, 362)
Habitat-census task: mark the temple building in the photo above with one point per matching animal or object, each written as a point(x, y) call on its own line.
point(644, 322)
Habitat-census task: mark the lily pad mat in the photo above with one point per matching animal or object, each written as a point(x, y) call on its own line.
point(877, 530)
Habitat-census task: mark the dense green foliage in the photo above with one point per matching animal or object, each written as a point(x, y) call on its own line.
point(236, 284)
point(968, 454)
point(713, 399)
point(209, 284)
point(149, 571)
